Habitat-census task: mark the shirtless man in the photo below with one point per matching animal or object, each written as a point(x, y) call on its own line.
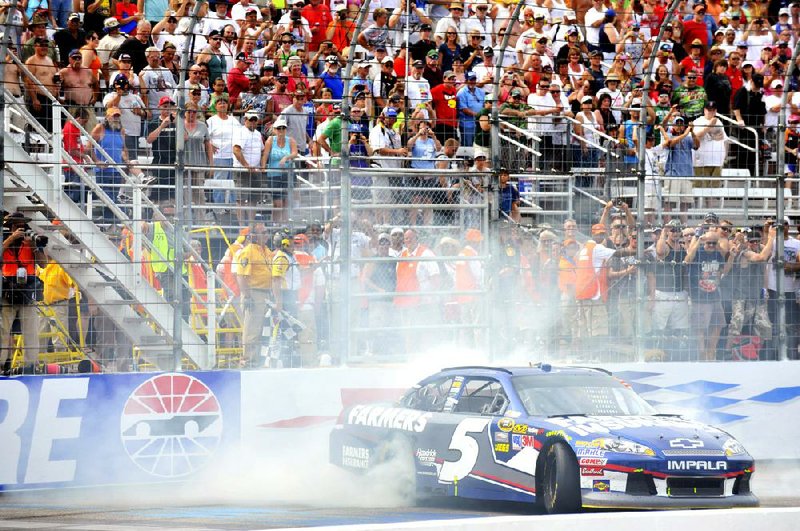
point(12, 81)
point(79, 86)
point(44, 69)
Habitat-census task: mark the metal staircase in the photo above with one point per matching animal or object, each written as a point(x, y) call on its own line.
point(96, 265)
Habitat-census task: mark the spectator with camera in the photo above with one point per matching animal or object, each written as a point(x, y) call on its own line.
point(22, 252)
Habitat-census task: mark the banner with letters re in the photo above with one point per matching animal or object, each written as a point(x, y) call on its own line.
point(106, 429)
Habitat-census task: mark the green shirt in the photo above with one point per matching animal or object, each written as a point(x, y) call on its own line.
point(690, 101)
point(519, 121)
point(333, 132)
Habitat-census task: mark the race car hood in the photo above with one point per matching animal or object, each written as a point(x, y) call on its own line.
point(665, 435)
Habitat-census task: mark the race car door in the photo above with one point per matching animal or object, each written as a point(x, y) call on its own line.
point(463, 443)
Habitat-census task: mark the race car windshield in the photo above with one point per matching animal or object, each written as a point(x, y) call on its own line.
point(578, 394)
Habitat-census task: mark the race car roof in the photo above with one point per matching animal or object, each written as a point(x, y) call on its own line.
point(538, 368)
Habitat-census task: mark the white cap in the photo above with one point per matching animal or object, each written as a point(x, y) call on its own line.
point(776, 83)
point(587, 99)
point(280, 122)
point(783, 11)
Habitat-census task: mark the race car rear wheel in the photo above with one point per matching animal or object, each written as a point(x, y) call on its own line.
point(397, 457)
point(560, 485)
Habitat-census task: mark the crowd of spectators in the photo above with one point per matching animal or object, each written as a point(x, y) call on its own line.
point(573, 77)
point(265, 87)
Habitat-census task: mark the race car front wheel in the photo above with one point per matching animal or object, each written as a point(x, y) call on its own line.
point(560, 485)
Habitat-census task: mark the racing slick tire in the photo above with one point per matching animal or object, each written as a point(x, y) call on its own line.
point(560, 484)
point(396, 459)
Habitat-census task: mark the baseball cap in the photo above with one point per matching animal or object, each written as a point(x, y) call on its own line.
point(280, 122)
point(711, 217)
point(387, 60)
point(598, 228)
point(165, 100)
point(516, 92)
point(747, 63)
point(390, 112)
point(488, 50)
point(471, 76)
point(244, 56)
point(383, 237)
point(419, 64)
point(611, 13)
point(110, 23)
point(396, 230)
point(74, 16)
point(741, 44)
point(75, 53)
point(355, 128)
point(254, 114)
point(121, 81)
point(113, 111)
point(473, 235)
point(124, 57)
point(425, 27)
point(448, 74)
point(776, 83)
point(783, 11)
point(710, 105)
point(587, 99)
point(433, 54)
point(679, 119)
point(696, 43)
point(794, 118)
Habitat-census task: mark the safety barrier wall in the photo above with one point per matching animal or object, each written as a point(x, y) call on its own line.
point(66, 431)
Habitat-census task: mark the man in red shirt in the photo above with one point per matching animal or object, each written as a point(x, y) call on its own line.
point(318, 16)
point(734, 72)
point(696, 28)
point(71, 140)
point(695, 62)
point(444, 104)
point(237, 79)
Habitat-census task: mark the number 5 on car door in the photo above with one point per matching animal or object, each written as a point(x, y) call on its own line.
point(465, 442)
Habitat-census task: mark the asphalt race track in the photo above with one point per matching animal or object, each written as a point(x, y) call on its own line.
point(33, 511)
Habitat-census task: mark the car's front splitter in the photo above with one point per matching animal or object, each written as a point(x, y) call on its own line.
point(619, 500)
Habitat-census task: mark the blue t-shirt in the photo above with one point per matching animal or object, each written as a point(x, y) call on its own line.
point(423, 153)
point(679, 159)
point(473, 101)
point(705, 273)
point(333, 82)
point(508, 196)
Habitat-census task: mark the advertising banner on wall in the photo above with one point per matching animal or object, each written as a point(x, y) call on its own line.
point(68, 431)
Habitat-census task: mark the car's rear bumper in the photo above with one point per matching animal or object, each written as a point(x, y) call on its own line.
point(619, 500)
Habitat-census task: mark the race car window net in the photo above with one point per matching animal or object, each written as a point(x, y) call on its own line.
point(482, 396)
point(428, 397)
point(578, 395)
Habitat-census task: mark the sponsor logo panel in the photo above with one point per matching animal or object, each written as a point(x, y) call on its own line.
point(391, 417)
point(505, 424)
point(592, 461)
point(697, 465)
point(590, 452)
point(426, 456)
point(518, 442)
point(683, 442)
point(601, 485)
point(520, 428)
point(355, 456)
point(500, 437)
point(501, 447)
point(591, 471)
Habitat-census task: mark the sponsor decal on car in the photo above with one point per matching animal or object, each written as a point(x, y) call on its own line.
point(591, 471)
point(518, 442)
point(520, 428)
point(500, 437)
point(457, 383)
point(697, 465)
point(590, 452)
point(426, 456)
point(501, 447)
point(558, 433)
point(391, 417)
point(505, 424)
point(355, 456)
point(592, 461)
point(585, 444)
point(584, 426)
point(601, 485)
point(684, 442)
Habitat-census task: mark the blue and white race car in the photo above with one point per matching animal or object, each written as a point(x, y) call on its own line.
point(564, 437)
